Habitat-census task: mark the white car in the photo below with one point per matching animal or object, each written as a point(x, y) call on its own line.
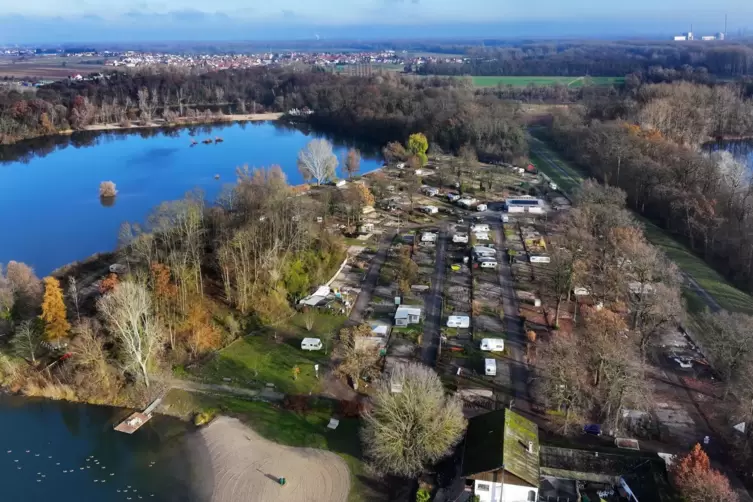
point(684, 362)
point(460, 238)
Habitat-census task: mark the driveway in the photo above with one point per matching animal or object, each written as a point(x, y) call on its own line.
point(433, 302)
point(516, 340)
point(370, 281)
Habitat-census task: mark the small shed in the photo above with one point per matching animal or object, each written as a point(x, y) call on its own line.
point(406, 315)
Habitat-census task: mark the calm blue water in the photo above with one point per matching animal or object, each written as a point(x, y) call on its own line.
point(75, 456)
point(50, 210)
point(741, 149)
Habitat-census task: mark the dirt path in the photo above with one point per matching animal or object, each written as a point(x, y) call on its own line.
point(244, 466)
point(206, 388)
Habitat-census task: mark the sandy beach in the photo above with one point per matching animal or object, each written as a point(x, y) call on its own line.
point(251, 117)
point(237, 464)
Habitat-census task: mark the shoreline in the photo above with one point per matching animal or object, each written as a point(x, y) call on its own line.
point(245, 117)
point(159, 123)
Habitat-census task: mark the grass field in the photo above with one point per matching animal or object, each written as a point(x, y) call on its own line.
point(725, 294)
point(256, 360)
point(524, 81)
point(307, 429)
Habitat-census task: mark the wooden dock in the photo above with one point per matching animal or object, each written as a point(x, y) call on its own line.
point(133, 422)
point(136, 419)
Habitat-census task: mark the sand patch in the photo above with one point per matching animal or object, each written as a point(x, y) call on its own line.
point(241, 465)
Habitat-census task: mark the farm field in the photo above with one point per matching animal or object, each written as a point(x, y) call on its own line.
point(493, 81)
point(52, 68)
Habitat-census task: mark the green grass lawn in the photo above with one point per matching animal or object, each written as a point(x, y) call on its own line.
point(728, 296)
point(293, 429)
point(524, 81)
point(258, 359)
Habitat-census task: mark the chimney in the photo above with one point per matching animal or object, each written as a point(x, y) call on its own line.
point(530, 447)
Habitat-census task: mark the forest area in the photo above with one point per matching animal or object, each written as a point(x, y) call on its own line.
point(195, 277)
point(599, 59)
point(648, 143)
point(379, 108)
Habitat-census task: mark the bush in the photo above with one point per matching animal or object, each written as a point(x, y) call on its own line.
point(422, 495)
point(204, 417)
point(297, 404)
point(107, 189)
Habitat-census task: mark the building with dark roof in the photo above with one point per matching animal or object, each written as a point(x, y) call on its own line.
point(501, 457)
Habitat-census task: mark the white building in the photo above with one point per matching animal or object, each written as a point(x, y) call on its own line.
point(523, 204)
point(501, 457)
point(405, 315)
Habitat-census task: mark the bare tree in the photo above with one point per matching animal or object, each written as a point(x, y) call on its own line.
point(127, 312)
point(560, 379)
point(352, 162)
point(317, 161)
point(27, 340)
point(730, 343)
point(417, 426)
point(356, 363)
point(75, 295)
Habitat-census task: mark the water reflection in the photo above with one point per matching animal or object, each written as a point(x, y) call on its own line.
point(25, 151)
point(107, 201)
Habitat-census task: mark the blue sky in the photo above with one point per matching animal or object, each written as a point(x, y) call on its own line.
point(96, 20)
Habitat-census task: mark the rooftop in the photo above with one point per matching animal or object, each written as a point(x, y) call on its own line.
point(499, 440)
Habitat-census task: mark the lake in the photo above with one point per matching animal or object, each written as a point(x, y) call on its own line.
point(49, 204)
point(68, 452)
point(741, 150)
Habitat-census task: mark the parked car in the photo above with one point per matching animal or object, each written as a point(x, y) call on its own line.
point(460, 238)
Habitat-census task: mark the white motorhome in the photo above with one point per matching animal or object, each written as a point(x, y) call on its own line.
point(480, 227)
point(458, 321)
point(467, 202)
point(311, 344)
point(493, 344)
point(460, 238)
point(534, 258)
point(490, 367)
point(484, 252)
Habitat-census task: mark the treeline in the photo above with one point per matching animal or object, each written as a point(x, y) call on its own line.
point(380, 108)
point(599, 59)
point(193, 279)
point(647, 145)
point(596, 371)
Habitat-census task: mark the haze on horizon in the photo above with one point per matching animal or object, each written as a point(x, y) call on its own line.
point(52, 21)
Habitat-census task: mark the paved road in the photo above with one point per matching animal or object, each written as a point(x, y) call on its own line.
point(370, 281)
point(433, 302)
point(700, 291)
point(516, 341)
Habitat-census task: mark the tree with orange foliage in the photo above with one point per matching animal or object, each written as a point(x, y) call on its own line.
point(201, 334)
point(693, 476)
point(365, 197)
point(165, 294)
point(108, 283)
point(56, 324)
